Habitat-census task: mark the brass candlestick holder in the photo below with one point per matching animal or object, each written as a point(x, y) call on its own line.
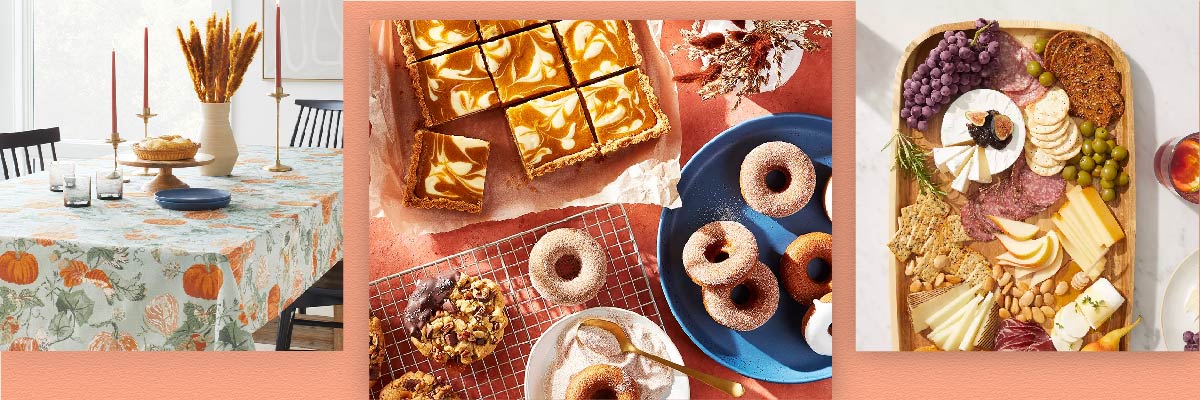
point(278, 167)
point(145, 116)
point(116, 142)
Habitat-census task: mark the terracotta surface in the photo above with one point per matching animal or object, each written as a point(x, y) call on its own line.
point(809, 91)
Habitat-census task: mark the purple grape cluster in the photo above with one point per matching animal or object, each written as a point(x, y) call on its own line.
point(1191, 341)
point(957, 65)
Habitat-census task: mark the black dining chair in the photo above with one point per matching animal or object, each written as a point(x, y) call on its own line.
point(327, 291)
point(319, 124)
point(11, 142)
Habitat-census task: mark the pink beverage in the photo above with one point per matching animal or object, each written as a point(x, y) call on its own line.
point(1177, 166)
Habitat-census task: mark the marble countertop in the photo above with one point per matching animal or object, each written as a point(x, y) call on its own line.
point(1161, 44)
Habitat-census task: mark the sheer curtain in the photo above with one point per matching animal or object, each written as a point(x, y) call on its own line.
point(72, 40)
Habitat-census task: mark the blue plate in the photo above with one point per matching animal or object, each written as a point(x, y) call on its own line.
point(776, 351)
point(211, 205)
point(192, 195)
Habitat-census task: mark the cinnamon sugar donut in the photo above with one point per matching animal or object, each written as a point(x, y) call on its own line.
point(762, 301)
point(794, 266)
point(797, 168)
point(601, 381)
point(563, 247)
point(720, 253)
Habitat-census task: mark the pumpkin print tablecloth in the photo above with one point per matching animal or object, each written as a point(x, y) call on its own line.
point(129, 275)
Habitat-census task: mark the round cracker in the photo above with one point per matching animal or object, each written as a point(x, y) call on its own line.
point(1054, 139)
point(1031, 157)
point(1073, 140)
point(1051, 108)
point(1035, 156)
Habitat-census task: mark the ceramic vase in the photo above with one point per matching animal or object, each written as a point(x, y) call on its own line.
point(216, 135)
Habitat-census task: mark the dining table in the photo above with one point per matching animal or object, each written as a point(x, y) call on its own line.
point(130, 275)
point(808, 91)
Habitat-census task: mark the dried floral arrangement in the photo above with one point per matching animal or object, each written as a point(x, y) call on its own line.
point(218, 63)
point(736, 59)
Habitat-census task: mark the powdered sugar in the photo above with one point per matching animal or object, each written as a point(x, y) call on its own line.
point(580, 347)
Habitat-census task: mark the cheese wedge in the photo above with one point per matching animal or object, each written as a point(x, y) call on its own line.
point(946, 299)
point(943, 155)
point(1099, 301)
point(983, 175)
point(956, 137)
point(1105, 219)
point(958, 324)
point(940, 316)
point(973, 166)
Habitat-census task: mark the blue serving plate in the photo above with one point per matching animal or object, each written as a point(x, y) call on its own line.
point(211, 205)
point(775, 352)
point(192, 195)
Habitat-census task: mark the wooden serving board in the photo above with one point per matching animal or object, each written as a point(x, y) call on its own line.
point(904, 190)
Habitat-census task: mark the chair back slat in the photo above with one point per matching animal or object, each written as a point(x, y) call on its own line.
point(319, 124)
point(23, 141)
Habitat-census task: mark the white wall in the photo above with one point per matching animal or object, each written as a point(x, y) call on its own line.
point(253, 111)
point(9, 93)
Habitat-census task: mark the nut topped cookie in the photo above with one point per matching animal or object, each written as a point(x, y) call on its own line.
point(446, 171)
point(375, 347)
point(624, 110)
point(526, 65)
point(453, 85)
point(418, 385)
point(494, 28)
point(426, 38)
point(596, 48)
point(551, 132)
point(455, 319)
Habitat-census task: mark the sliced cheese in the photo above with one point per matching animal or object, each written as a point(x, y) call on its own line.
point(943, 155)
point(940, 316)
point(958, 326)
point(1091, 238)
point(969, 338)
point(1061, 344)
point(1073, 240)
point(1099, 301)
point(1070, 324)
point(924, 310)
point(960, 183)
point(983, 175)
point(957, 165)
point(1104, 217)
point(973, 167)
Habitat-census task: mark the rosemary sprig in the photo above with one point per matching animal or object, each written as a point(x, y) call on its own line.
point(911, 159)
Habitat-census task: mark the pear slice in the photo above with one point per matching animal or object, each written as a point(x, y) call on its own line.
point(1022, 249)
point(1016, 229)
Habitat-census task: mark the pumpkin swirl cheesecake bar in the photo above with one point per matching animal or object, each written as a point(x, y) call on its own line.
point(447, 171)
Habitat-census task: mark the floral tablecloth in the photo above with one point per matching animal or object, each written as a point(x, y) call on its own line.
point(129, 275)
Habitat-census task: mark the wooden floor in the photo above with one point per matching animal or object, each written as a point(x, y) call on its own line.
point(303, 337)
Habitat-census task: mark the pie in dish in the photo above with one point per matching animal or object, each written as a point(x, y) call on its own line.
point(453, 85)
point(596, 48)
point(166, 148)
point(551, 132)
point(526, 65)
point(494, 28)
point(426, 38)
point(624, 111)
point(446, 171)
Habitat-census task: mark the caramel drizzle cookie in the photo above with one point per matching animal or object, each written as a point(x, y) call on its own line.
point(455, 319)
point(418, 385)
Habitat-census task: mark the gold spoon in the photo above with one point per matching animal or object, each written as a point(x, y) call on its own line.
point(732, 388)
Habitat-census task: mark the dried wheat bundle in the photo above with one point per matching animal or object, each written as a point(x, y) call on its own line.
point(218, 62)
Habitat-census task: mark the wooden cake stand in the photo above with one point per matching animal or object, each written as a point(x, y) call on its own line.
point(165, 180)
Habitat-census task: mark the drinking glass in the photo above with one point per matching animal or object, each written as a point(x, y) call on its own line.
point(57, 171)
point(1177, 166)
point(110, 185)
point(77, 191)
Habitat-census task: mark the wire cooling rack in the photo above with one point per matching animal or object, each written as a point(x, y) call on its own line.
point(501, 375)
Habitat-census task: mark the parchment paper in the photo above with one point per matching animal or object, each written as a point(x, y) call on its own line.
point(644, 173)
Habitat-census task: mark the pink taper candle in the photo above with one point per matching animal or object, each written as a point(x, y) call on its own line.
point(146, 68)
point(278, 68)
point(114, 93)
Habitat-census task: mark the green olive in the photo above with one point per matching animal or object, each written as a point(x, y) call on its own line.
point(1039, 45)
point(1111, 163)
point(1087, 128)
point(1119, 153)
point(1099, 158)
point(1069, 171)
point(1108, 194)
point(1099, 146)
point(1075, 160)
point(1107, 184)
point(1123, 179)
point(1109, 172)
point(1084, 179)
point(1087, 148)
point(1086, 164)
point(1034, 68)
point(1102, 133)
point(1111, 145)
point(1046, 79)
point(1096, 173)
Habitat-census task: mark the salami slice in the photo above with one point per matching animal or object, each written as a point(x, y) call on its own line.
point(974, 225)
point(1041, 191)
point(1009, 69)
